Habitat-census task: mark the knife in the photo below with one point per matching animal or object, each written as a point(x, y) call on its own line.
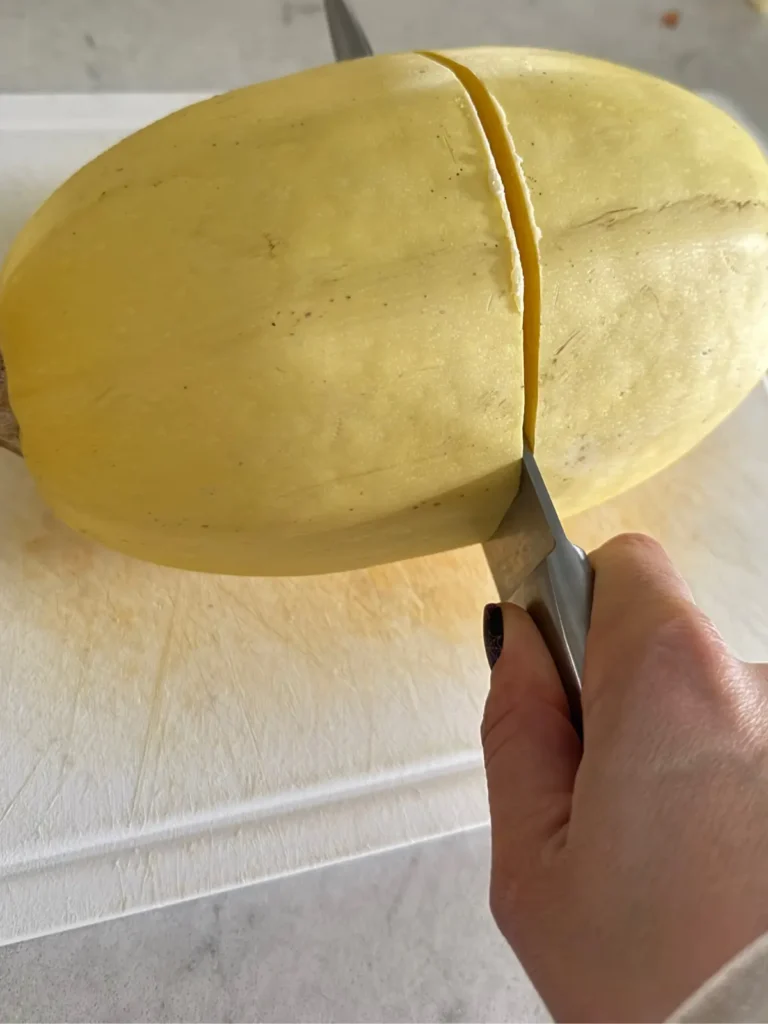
point(534, 565)
point(532, 562)
point(348, 40)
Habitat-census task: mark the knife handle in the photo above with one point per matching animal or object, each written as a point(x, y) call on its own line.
point(558, 597)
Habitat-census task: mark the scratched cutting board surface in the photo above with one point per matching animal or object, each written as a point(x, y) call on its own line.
point(165, 734)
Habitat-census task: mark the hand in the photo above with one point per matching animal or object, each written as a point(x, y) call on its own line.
point(626, 874)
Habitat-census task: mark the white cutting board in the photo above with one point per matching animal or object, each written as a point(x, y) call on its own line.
point(165, 735)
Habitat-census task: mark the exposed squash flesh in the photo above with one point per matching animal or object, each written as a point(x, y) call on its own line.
point(520, 208)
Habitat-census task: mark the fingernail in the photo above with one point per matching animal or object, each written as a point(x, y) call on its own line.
point(493, 632)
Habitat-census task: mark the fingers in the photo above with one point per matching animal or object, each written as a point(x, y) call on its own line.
point(633, 571)
point(637, 590)
point(531, 750)
point(656, 667)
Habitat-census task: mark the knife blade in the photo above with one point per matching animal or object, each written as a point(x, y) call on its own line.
point(348, 39)
point(534, 565)
point(531, 560)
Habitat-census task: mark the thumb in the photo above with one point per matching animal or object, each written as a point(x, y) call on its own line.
point(531, 750)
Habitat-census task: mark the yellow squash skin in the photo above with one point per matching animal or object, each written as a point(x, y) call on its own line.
point(282, 332)
point(653, 211)
point(277, 332)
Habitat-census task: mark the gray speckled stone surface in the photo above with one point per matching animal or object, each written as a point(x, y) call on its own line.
point(402, 937)
point(406, 936)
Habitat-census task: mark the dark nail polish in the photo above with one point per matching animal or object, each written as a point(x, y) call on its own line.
point(493, 632)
